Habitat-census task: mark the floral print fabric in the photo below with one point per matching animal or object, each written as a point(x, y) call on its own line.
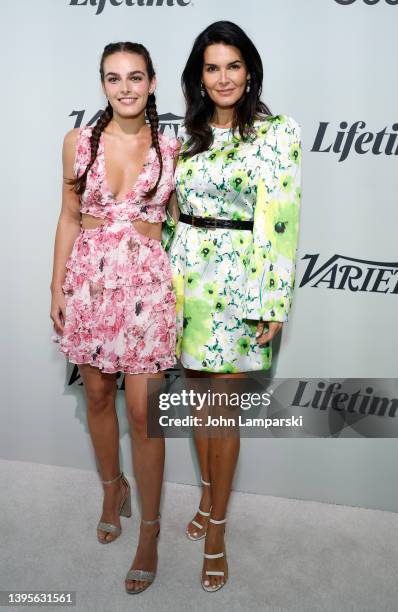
point(97, 200)
point(120, 304)
point(227, 280)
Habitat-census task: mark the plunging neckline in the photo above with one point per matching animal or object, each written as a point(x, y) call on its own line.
point(138, 179)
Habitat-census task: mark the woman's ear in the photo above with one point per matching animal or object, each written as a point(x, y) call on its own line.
point(152, 86)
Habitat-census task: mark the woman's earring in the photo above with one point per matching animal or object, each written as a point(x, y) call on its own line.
point(248, 86)
point(202, 90)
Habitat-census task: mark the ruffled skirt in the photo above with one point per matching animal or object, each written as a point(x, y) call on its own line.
point(120, 304)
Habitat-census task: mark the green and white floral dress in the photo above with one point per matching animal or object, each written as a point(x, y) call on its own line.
point(228, 280)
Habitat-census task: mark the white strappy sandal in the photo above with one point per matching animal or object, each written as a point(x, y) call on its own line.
point(211, 589)
point(198, 525)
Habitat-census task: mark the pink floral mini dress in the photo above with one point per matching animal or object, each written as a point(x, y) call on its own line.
point(120, 305)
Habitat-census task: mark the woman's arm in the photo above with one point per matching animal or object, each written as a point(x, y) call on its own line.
point(68, 229)
point(172, 212)
point(172, 206)
point(275, 233)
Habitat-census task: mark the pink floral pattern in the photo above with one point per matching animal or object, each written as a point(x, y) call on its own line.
point(98, 200)
point(120, 304)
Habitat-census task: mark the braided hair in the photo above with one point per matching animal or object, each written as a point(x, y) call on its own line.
point(79, 183)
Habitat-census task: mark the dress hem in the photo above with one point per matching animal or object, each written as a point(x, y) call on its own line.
point(243, 371)
point(163, 367)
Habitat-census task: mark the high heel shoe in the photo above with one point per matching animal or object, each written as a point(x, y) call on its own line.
point(198, 525)
point(124, 510)
point(144, 575)
point(209, 588)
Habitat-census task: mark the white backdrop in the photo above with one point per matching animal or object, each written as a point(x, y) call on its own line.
point(326, 62)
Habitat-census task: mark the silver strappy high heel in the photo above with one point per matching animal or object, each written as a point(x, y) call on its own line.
point(198, 525)
point(124, 510)
point(144, 575)
point(211, 589)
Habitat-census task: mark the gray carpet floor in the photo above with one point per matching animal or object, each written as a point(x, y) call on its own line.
point(284, 555)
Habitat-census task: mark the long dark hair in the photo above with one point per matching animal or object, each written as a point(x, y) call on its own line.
point(79, 183)
point(199, 110)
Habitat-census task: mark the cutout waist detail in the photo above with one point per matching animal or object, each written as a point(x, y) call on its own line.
point(145, 228)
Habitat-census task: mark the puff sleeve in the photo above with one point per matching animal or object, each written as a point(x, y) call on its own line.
point(271, 266)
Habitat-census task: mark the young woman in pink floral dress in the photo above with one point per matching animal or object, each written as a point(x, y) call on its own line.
point(113, 306)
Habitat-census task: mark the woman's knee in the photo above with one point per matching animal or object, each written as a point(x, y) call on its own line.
point(137, 417)
point(99, 388)
point(99, 400)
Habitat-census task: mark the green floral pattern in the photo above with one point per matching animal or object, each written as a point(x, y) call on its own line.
point(227, 280)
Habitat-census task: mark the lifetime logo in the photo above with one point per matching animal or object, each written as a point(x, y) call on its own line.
point(383, 141)
point(368, 2)
point(100, 4)
point(341, 397)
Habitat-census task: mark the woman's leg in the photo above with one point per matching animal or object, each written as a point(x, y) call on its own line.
point(223, 457)
point(148, 462)
point(100, 390)
point(202, 448)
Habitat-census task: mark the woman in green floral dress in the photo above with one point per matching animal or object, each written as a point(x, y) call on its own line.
point(233, 284)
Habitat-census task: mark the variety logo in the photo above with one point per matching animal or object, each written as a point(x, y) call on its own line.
point(368, 2)
point(340, 272)
point(100, 4)
point(168, 122)
point(377, 143)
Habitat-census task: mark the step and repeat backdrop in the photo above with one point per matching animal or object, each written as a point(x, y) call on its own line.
point(328, 63)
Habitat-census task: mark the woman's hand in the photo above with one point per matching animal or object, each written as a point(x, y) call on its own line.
point(57, 312)
point(273, 328)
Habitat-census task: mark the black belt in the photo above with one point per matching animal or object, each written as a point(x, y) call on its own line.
point(212, 223)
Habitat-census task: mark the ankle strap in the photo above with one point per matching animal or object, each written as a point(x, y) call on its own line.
point(151, 522)
point(212, 520)
point(205, 483)
point(215, 556)
point(113, 479)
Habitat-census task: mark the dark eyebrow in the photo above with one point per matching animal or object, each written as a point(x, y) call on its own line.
point(117, 74)
point(238, 61)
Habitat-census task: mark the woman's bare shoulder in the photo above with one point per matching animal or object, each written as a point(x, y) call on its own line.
point(71, 137)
